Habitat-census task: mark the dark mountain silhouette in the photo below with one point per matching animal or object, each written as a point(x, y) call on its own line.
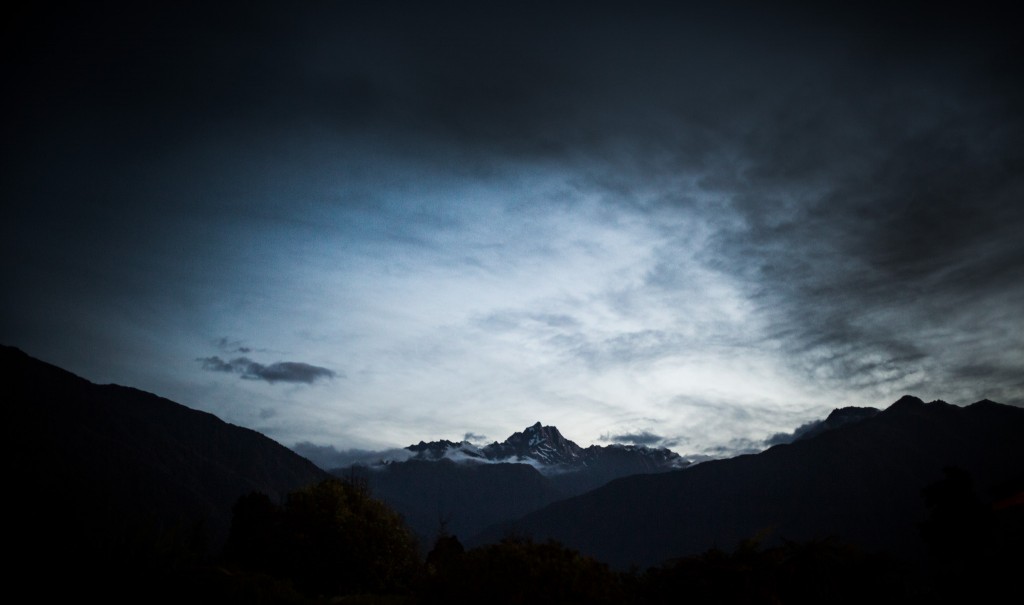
point(466, 488)
point(837, 418)
point(458, 498)
point(861, 481)
point(98, 467)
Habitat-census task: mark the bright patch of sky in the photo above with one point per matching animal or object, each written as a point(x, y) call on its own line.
point(484, 305)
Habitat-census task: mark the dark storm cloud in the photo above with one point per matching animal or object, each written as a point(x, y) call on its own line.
point(474, 438)
point(282, 371)
point(897, 223)
point(879, 202)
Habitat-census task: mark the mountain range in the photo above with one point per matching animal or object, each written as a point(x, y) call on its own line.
point(544, 448)
point(96, 471)
point(860, 479)
point(462, 488)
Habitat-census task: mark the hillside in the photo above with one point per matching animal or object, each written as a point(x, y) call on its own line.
point(861, 482)
point(466, 488)
point(97, 466)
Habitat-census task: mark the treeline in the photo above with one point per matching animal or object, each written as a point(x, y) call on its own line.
point(333, 543)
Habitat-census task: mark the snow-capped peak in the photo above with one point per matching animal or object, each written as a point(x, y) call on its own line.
point(544, 448)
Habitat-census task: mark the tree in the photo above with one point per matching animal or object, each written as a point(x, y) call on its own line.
point(328, 539)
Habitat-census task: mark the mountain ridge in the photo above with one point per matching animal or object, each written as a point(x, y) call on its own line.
point(130, 459)
point(545, 448)
point(861, 481)
point(462, 488)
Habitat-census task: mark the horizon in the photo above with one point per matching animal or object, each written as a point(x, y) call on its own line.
point(328, 456)
point(365, 226)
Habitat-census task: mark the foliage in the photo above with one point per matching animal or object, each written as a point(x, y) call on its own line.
point(974, 548)
point(328, 539)
point(819, 571)
point(520, 571)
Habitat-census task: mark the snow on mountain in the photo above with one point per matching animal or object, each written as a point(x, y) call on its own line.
point(547, 450)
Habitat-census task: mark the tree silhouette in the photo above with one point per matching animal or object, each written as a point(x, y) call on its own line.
point(328, 539)
point(974, 548)
point(521, 571)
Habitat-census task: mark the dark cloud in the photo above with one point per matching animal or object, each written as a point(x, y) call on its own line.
point(735, 447)
point(216, 364)
point(800, 431)
point(641, 438)
point(646, 438)
point(880, 218)
point(474, 437)
point(282, 371)
point(231, 346)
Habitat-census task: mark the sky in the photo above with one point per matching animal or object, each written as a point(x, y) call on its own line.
point(359, 225)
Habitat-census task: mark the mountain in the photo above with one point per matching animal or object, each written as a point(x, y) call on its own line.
point(861, 481)
point(544, 448)
point(465, 487)
point(460, 499)
point(542, 445)
point(837, 418)
point(92, 468)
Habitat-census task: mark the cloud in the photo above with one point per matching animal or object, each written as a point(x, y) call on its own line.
point(328, 457)
point(800, 431)
point(474, 437)
point(884, 229)
point(863, 199)
point(631, 347)
point(507, 320)
point(640, 438)
point(231, 346)
point(216, 364)
point(281, 371)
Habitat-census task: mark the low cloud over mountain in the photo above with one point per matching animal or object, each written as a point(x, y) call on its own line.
point(645, 438)
point(328, 457)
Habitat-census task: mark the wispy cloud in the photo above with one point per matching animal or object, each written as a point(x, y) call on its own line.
point(231, 346)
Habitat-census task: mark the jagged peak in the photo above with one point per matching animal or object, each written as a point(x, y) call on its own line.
point(907, 402)
point(545, 448)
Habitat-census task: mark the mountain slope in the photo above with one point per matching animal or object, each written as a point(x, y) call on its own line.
point(461, 499)
point(861, 481)
point(95, 464)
